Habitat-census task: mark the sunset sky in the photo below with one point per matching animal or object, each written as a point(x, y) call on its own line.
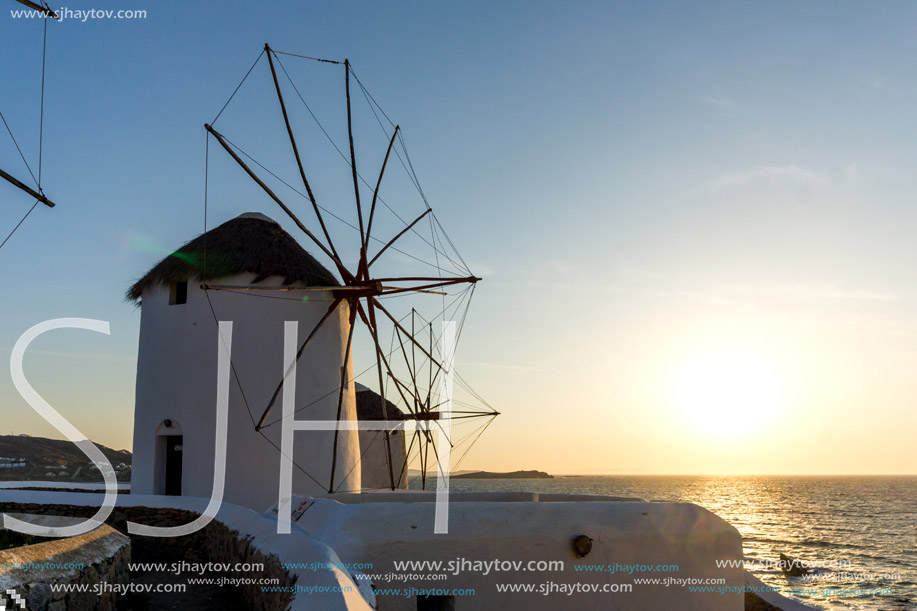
point(694, 221)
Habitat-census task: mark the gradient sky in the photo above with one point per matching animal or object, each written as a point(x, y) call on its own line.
point(648, 190)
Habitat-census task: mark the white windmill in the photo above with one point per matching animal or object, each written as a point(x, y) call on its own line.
point(249, 270)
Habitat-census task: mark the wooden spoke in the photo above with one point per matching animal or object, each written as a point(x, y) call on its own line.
point(273, 196)
point(299, 354)
point(403, 385)
point(430, 370)
point(425, 287)
point(422, 408)
point(438, 462)
point(395, 239)
point(302, 171)
point(393, 288)
point(21, 185)
point(408, 364)
point(471, 279)
point(41, 9)
point(364, 268)
point(414, 349)
point(282, 289)
point(381, 355)
point(353, 155)
point(398, 325)
point(423, 466)
point(388, 443)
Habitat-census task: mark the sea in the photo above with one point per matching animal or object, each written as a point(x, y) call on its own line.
point(859, 533)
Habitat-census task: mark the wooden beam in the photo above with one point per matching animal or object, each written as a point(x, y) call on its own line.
point(407, 363)
point(302, 171)
point(245, 287)
point(364, 268)
point(401, 233)
point(413, 341)
point(421, 416)
point(21, 185)
point(302, 349)
point(272, 195)
point(41, 9)
point(353, 155)
point(472, 279)
point(424, 288)
point(388, 442)
point(395, 288)
point(381, 354)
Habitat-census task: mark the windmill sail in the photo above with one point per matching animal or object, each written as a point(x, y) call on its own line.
point(424, 279)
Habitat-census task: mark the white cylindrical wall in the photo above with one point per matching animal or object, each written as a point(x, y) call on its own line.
point(177, 380)
point(374, 460)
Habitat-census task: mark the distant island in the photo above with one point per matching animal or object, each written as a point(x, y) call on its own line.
point(510, 475)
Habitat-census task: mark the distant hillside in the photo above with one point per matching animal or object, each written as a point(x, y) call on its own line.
point(54, 460)
point(44, 451)
point(510, 475)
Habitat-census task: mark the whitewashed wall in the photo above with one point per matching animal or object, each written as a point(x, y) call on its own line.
point(622, 532)
point(374, 460)
point(177, 378)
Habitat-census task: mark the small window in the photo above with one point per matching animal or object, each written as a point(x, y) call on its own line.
point(178, 293)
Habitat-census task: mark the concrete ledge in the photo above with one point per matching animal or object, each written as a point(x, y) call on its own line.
point(631, 533)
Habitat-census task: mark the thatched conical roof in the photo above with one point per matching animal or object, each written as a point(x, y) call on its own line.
point(250, 243)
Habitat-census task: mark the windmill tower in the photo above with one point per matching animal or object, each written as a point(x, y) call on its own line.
point(258, 277)
point(373, 450)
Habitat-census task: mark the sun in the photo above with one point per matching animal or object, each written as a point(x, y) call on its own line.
point(728, 393)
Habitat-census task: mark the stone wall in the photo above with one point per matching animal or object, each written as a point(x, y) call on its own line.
point(213, 543)
point(87, 560)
